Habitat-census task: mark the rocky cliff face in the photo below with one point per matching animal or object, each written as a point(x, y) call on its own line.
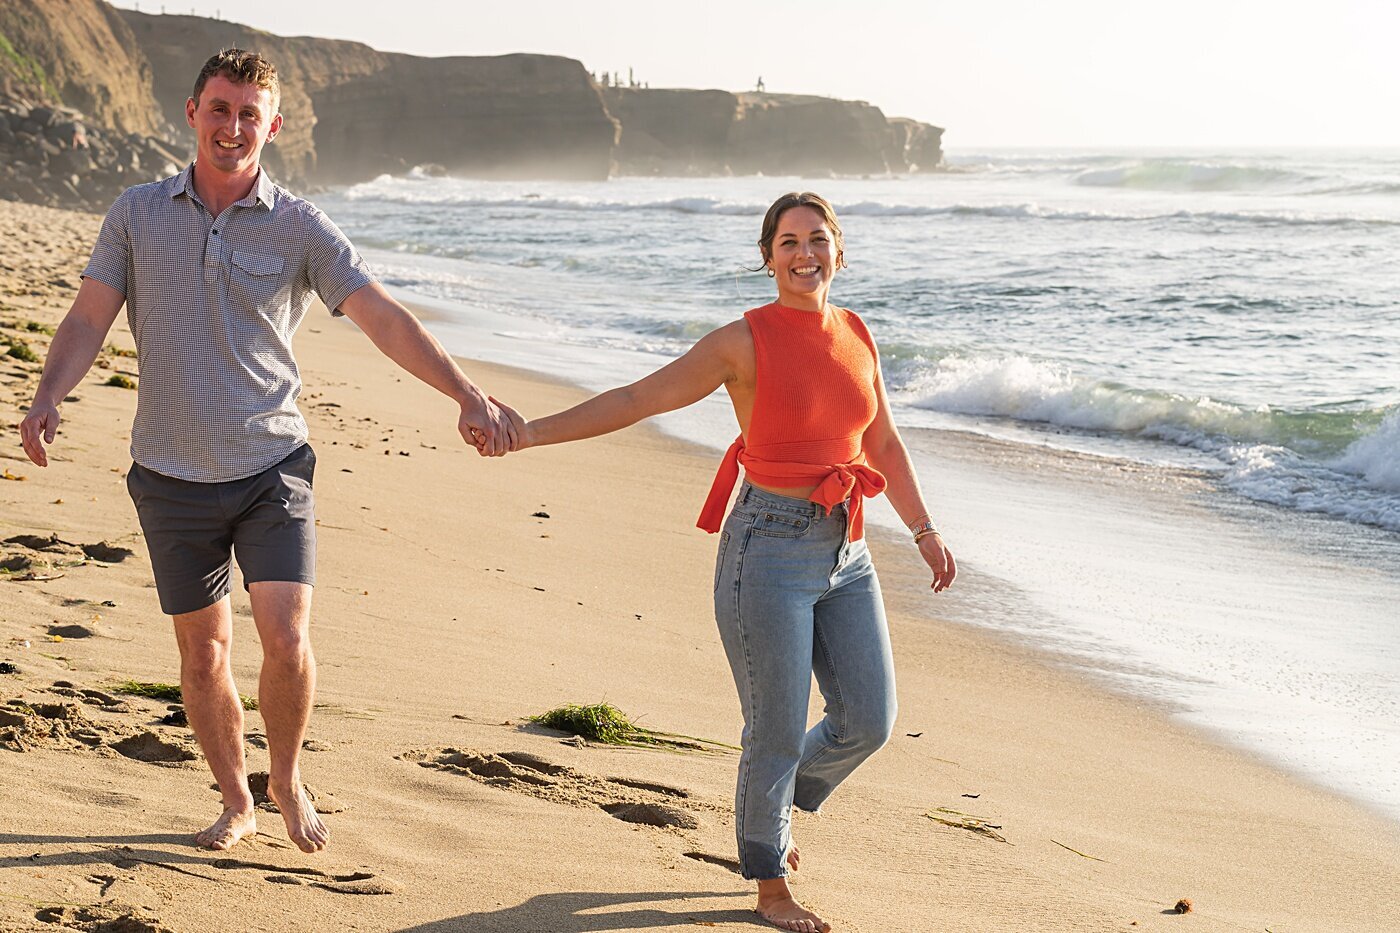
point(353, 112)
point(716, 132)
point(511, 116)
point(77, 124)
point(92, 100)
point(77, 53)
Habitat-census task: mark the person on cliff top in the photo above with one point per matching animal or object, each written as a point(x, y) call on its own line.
point(794, 588)
point(217, 267)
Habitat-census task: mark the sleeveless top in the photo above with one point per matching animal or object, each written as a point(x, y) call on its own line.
point(814, 396)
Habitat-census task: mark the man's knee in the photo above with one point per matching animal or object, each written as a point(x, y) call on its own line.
point(282, 613)
point(205, 639)
point(287, 642)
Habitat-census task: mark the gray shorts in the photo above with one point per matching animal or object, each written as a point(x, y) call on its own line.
point(268, 520)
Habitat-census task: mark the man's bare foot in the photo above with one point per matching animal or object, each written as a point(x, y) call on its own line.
point(777, 905)
point(303, 825)
point(794, 856)
point(232, 826)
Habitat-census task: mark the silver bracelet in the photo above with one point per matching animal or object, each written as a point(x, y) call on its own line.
point(924, 528)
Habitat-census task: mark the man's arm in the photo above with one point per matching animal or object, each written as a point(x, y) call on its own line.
point(400, 337)
point(75, 346)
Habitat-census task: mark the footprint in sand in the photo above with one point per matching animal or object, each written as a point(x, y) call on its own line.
point(258, 740)
point(109, 703)
point(101, 920)
point(633, 801)
point(17, 563)
point(25, 726)
point(149, 747)
point(72, 630)
point(107, 553)
point(323, 802)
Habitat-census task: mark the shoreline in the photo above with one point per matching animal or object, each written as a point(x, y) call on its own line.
point(446, 613)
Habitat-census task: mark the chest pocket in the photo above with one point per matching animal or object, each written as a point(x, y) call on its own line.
point(256, 280)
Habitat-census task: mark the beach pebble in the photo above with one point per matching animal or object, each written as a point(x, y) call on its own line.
point(7, 668)
point(1183, 906)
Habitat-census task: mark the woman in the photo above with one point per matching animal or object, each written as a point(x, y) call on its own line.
point(795, 591)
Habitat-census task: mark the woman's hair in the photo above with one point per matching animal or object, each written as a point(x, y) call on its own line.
point(800, 199)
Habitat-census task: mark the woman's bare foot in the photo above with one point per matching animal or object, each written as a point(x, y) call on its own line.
point(777, 905)
point(303, 825)
point(233, 825)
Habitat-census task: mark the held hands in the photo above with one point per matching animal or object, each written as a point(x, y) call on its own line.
point(485, 427)
point(939, 559)
point(38, 428)
point(519, 426)
point(493, 427)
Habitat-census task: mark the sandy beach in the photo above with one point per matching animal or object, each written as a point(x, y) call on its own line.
point(457, 596)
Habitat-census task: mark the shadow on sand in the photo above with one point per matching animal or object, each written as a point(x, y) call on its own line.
point(569, 912)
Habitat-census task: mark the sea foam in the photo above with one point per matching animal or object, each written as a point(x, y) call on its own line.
point(1376, 457)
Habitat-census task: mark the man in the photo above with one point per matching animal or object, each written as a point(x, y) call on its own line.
point(217, 267)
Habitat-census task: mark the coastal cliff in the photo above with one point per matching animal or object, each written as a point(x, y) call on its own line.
point(78, 53)
point(669, 131)
point(353, 112)
point(92, 100)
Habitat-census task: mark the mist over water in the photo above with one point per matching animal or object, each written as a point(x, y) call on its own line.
point(1236, 314)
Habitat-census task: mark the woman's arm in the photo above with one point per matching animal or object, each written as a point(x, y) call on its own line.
point(709, 364)
point(885, 451)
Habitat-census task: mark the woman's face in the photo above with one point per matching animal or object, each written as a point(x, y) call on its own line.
point(804, 258)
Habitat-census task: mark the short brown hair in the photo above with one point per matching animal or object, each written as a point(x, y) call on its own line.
point(800, 199)
point(240, 67)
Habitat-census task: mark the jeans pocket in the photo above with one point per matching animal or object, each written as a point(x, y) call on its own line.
point(774, 523)
point(719, 558)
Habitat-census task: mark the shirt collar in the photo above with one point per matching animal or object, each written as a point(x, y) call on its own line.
point(264, 190)
point(183, 183)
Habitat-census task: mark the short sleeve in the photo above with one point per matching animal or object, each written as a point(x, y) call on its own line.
point(334, 267)
point(111, 254)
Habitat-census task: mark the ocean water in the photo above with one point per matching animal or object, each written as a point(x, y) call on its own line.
point(1224, 326)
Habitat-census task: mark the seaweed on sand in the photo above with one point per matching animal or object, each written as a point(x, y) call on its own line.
point(169, 692)
point(605, 723)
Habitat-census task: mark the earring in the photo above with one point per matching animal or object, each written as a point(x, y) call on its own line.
point(771, 273)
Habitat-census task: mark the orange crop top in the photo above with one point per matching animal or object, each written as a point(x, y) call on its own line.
point(814, 397)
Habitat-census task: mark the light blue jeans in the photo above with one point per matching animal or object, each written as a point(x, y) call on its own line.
point(794, 598)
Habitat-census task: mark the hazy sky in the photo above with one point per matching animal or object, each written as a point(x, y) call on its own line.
point(1189, 73)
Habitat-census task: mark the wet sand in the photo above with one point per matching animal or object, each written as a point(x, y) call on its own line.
point(1016, 795)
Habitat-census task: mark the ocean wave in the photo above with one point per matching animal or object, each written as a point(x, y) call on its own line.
point(431, 191)
point(1357, 188)
point(1280, 476)
point(445, 194)
point(1035, 390)
point(1376, 456)
point(1286, 458)
point(1178, 175)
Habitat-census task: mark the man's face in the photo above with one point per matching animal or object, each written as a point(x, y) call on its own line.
point(232, 122)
